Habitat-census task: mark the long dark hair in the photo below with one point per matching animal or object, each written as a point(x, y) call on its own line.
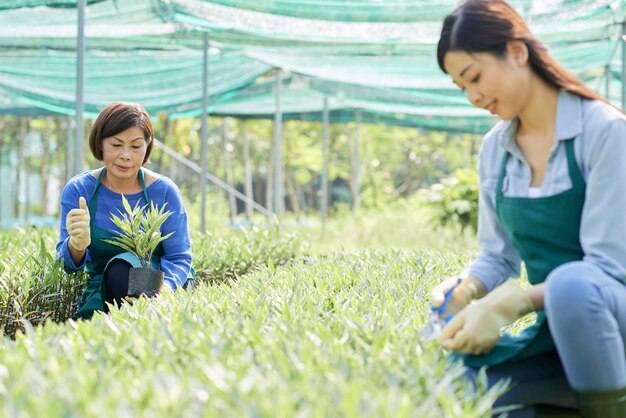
point(487, 26)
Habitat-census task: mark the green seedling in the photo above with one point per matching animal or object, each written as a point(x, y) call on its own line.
point(140, 230)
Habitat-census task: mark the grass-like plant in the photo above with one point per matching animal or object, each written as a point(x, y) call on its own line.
point(140, 230)
point(33, 286)
point(333, 336)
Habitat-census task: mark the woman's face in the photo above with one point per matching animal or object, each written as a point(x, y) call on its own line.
point(498, 85)
point(123, 153)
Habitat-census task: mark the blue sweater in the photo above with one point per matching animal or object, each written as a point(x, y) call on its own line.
point(176, 260)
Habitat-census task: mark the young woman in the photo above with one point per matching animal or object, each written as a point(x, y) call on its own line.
point(553, 195)
point(121, 138)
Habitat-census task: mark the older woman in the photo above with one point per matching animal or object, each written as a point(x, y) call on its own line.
point(121, 138)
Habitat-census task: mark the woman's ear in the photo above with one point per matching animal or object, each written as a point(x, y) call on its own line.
point(518, 52)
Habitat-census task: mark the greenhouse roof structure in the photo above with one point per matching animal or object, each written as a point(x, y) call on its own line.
point(374, 59)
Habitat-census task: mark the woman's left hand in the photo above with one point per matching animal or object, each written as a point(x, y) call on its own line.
point(476, 329)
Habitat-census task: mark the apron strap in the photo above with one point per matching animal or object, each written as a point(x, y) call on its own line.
point(93, 202)
point(502, 173)
point(142, 180)
point(574, 171)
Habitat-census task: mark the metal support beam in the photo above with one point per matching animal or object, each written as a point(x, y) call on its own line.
point(624, 65)
point(279, 201)
point(80, 76)
point(213, 179)
point(247, 168)
point(204, 132)
point(607, 82)
point(325, 126)
point(69, 146)
point(356, 193)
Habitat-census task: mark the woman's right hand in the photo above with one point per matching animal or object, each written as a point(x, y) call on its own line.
point(77, 225)
point(469, 289)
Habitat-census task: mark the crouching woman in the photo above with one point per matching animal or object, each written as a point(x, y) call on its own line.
point(122, 139)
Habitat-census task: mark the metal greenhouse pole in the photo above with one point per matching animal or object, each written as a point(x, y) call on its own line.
point(607, 81)
point(80, 67)
point(325, 164)
point(356, 193)
point(278, 149)
point(69, 155)
point(204, 132)
point(623, 64)
point(247, 168)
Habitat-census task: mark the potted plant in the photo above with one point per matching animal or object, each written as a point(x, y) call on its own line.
point(140, 235)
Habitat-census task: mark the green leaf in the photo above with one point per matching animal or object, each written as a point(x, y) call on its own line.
point(126, 204)
point(140, 229)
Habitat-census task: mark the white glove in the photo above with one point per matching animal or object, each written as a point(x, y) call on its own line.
point(77, 225)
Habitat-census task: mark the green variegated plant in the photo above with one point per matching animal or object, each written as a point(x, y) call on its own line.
point(454, 200)
point(140, 230)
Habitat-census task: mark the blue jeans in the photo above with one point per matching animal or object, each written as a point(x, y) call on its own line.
point(586, 311)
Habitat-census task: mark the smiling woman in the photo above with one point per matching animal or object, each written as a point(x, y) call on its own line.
point(121, 138)
point(552, 194)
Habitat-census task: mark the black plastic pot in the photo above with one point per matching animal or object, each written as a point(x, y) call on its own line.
point(143, 281)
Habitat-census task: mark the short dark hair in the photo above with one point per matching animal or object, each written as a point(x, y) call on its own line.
point(116, 118)
point(487, 25)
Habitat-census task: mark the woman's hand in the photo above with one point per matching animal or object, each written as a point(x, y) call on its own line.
point(77, 225)
point(476, 329)
point(469, 289)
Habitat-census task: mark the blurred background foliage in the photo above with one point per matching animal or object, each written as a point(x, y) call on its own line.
point(391, 164)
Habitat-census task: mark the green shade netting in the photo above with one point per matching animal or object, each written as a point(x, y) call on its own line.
point(416, 71)
point(379, 11)
point(232, 12)
point(108, 25)
point(16, 4)
point(369, 26)
point(18, 106)
point(303, 98)
point(347, 27)
point(160, 80)
point(377, 56)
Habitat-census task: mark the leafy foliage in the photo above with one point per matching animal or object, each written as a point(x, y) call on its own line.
point(333, 336)
point(455, 200)
point(403, 224)
point(33, 286)
point(393, 161)
point(223, 258)
point(140, 230)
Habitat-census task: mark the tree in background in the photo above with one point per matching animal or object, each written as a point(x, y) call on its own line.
point(394, 163)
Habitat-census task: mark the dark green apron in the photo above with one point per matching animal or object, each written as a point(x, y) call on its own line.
point(545, 232)
point(102, 254)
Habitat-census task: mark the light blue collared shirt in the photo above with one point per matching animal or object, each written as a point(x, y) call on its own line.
point(600, 149)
